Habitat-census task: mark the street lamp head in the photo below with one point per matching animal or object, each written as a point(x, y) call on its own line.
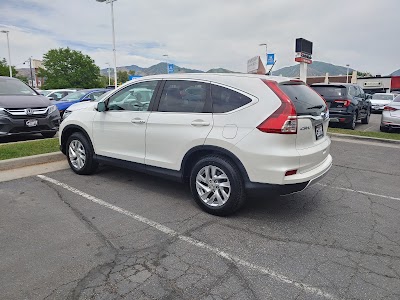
point(5, 31)
point(263, 44)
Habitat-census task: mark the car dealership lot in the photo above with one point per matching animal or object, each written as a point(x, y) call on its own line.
point(120, 234)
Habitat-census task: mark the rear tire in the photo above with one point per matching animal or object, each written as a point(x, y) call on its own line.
point(384, 129)
point(48, 134)
point(365, 120)
point(80, 154)
point(352, 124)
point(217, 186)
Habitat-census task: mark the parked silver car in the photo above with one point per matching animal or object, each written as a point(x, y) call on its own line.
point(379, 100)
point(391, 115)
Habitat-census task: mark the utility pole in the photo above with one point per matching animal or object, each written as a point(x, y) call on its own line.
point(30, 69)
point(9, 55)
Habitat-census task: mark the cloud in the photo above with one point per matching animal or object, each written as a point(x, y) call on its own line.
point(209, 33)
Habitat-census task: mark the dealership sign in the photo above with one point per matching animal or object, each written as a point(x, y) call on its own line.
point(373, 84)
point(303, 51)
point(255, 66)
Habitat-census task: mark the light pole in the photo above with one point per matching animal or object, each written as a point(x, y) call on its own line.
point(109, 73)
point(9, 55)
point(266, 52)
point(166, 60)
point(113, 38)
point(347, 73)
point(30, 68)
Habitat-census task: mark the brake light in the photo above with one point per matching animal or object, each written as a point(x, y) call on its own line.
point(345, 103)
point(389, 108)
point(284, 119)
point(290, 172)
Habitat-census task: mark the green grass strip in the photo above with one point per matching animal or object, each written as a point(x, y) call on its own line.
point(381, 135)
point(28, 148)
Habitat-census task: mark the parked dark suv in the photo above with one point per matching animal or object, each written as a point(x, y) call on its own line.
point(23, 110)
point(347, 103)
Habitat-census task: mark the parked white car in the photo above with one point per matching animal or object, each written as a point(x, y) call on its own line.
point(391, 116)
point(56, 94)
point(379, 100)
point(227, 135)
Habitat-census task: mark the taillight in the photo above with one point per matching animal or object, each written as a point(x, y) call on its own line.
point(284, 119)
point(389, 108)
point(345, 103)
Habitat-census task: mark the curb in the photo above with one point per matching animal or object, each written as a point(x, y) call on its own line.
point(20, 162)
point(364, 138)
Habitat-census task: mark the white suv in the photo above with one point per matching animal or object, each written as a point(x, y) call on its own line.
point(228, 135)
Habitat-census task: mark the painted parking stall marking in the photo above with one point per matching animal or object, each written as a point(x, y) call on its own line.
point(239, 261)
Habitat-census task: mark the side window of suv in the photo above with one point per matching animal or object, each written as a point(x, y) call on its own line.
point(352, 91)
point(135, 97)
point(225, 100)
point(183, 96)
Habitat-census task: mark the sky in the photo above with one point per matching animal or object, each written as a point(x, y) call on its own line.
point(208, 33)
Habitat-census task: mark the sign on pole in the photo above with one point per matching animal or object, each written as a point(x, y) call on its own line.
point(170, 68)
point(255, 66)
point(270, 59)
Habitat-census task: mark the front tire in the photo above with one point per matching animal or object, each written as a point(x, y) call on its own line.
point(217, 186)
point(80, 154)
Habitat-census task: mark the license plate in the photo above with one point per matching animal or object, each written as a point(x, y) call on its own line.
point(31, 123)
point(319, 131)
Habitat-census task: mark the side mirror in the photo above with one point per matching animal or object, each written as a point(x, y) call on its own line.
point(51, 98)
point(101, 106)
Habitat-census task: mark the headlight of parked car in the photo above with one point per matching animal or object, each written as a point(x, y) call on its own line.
point(51, 109)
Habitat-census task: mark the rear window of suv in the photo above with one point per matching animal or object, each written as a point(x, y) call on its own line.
point(330, 91)
point(306, 101)
point(225, 100)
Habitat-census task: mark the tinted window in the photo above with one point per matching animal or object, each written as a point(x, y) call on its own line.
point(352, 91)
point(183, 96)
point(330, 91)
point(14, 87)
point(225, 100)
point(306, 100)
point(135, 97)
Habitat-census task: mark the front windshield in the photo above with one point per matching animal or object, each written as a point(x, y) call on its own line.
point(103, 96)
point(382, 97)
point(45, 93)
point(74, 96)
point(10, 86)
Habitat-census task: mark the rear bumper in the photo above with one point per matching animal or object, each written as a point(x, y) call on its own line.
point(308, 178)
point(340, 117)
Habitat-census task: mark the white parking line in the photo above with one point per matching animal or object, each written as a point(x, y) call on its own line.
point(357, 191)
point(194, 242)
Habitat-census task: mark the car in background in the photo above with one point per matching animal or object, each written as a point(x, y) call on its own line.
point(347, 103)
point(85, 104)
point(379, 100)
point(57, 94)
point(227, 135)
point(78, 96)
point(391, 116)
point(23, 110)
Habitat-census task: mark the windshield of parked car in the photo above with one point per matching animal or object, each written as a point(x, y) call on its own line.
point(10, 86)
point(330, 91)
point(382, 97)
point(45, 93)
point(397, 99)
point(74, 96)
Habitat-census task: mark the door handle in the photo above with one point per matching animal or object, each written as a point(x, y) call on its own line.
point(138, 121)
point(200, 123)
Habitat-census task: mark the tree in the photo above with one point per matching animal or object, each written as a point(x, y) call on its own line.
point(132, 72)
point(5, 70)
point(122, 76)
point(66, 68)
point(363, 74)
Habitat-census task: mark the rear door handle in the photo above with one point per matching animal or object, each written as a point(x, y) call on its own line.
point(138, 121)
point(200, 123)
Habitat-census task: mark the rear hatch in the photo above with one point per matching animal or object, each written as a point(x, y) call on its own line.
point(312, 141)
point(335, 96)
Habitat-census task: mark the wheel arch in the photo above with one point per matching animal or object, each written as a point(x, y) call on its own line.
point(68, 131)
point(194, 154)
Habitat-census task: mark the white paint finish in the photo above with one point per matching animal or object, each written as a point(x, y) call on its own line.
point(170, 135)
point(164, 229)
point(116, 135)
point(229, 131)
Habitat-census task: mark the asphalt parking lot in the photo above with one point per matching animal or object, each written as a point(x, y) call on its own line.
point(124, 235)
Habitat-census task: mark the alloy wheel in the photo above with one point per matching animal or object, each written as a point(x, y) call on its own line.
point(77, 154)
point(213, 186)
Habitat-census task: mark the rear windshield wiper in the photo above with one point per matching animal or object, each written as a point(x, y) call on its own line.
point(316, 106)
